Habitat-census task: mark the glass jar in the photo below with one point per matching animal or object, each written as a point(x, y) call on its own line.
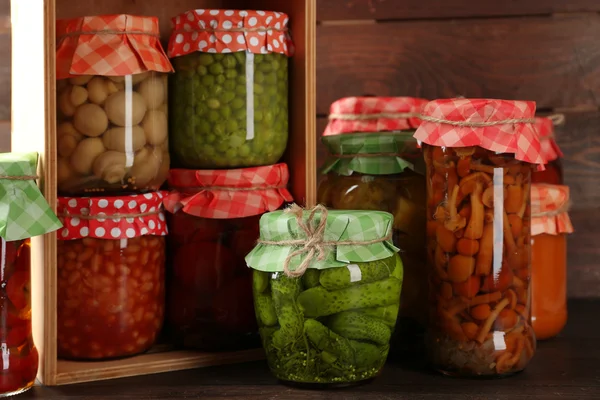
point(478, 235)
point(372, 164)
point(550, 225)
point(111, 276)
point(553, 174)
point(230, 90)
point(326, 319)
point(213, 223)
point(112, 133)
point(25, 214)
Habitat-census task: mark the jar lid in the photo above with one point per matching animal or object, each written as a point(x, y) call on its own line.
point(114, 217)
point(109, 45)
point(230, 31)
point(374, 114)
point(502, 126)
point(24, 212)
point(294, 239)
point(545, 129)
point(549, 209)
point(228, 193)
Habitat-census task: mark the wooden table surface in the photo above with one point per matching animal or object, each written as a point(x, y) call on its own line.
point(567, 367)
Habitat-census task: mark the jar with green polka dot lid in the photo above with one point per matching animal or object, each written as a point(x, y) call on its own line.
point(229, 93)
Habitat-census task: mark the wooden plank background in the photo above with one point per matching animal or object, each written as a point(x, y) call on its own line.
point(542, 50)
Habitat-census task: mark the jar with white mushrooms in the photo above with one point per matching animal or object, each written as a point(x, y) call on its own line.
point(112, 130)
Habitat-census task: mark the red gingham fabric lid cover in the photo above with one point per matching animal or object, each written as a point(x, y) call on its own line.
point(549, 206)
point(445, 124)
point(226, 194)
point(109, 45)
point(545, 129)
point(127, 225)
point(374, 114)
point(230, 31)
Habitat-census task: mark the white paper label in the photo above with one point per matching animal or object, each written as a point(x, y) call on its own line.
point(249, 95)
point(355, 274)
point(123, 243)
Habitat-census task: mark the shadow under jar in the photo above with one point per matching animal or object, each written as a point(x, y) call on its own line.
point(20, 198)
point(375, 164)
point(213, 223)
point(111, 283)
point(326, 320)
point(229, 94)
point(478, 236)
point(112, 133)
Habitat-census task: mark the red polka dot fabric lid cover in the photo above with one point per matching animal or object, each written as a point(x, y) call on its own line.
point(225, 194)
point(501, 126)
point(374, 114)
point(545, 129)
point(230, 31)
point(114, 217)
point(549, 209)
point(109, 45)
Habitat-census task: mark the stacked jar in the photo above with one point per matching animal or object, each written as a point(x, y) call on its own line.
point(553, 173)
point(550, 224)
point(375, 164)
point(25, 214)
point(229, 130)
point(113, 157)
point(479, 155)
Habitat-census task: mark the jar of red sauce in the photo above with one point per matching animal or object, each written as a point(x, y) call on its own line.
point(553, 174)
point(550, 225)
point(111, 275)
point(213, 223)
point(25, 214)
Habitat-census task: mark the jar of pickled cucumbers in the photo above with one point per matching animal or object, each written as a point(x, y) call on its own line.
point(326, 292)
point(213, 220)
point(111, 275)
point(25, 214)
point(479, 155)
point(553, 174)
point(229, 95)
point(375, 164)
point(112, 133)
point(550, 225)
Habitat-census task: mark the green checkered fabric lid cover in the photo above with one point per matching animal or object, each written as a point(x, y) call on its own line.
point(24, 212)
point(341, 226)
point(359, 152)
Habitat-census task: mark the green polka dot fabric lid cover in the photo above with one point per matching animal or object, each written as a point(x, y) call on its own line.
point(373, 135)
point(327, 238)
point(24, 212)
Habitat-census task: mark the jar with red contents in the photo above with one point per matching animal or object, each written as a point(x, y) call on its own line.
point(213, 223)
point(25, 214)
point(553, 174)
point(550, 224)
point(111, 275)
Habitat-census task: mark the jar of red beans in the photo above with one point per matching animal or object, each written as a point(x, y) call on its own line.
point(213, 223)
point(111, 265)
point(553, 174)
point(25, 213)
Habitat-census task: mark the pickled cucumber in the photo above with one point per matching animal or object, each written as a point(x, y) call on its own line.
point(260, 281)
point(357, 326)
point(265, 310)
point(208, 95)
point(356, 274)
point(326, 340)
point(387, 314)
point(311, 278)
point(320, 302)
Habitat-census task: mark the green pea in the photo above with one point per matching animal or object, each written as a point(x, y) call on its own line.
point(244, 151)
point(268, 117)
point(213, 103)
point(271, 78)
point(259, 77)
point(230, 73)
point(229, 85)
point(226, 111)
point(240, 114)
point(229, 61)
point(213, 116)
point(221, 79)
point(202, 126)
point(201, 108)
point(216, 69)
point(258, 115)
point(219, 56)
point(231, 125)
point(205, 59)
point(265, 67)
point(222, 146)
point(208, 80)
point(217, 90)
point(238, 139)
point(242, 79)
point(227, 97)
point(237, 103)
point(258, 89)
point(219, 129)
point(241, 89)
point(211, 138)
point(240, 56)
point(202, 70)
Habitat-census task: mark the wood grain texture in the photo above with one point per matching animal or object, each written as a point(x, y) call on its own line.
point(4, 136)
point(552, 60)
point(563, 368)
point(5, 73)
point(419, 9)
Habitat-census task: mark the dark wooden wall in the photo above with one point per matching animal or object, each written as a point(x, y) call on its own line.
point(542, 50)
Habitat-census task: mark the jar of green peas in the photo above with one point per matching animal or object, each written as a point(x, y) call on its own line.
point(229, 93)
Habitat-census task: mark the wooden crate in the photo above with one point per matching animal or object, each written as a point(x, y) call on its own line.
point(34, 129)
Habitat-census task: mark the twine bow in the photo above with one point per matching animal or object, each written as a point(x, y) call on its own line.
point(314, 245)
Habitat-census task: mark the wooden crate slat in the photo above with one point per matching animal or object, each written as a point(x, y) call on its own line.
point(4, 71)
point(552, 60)
point(418, 9)
point(4, 136)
